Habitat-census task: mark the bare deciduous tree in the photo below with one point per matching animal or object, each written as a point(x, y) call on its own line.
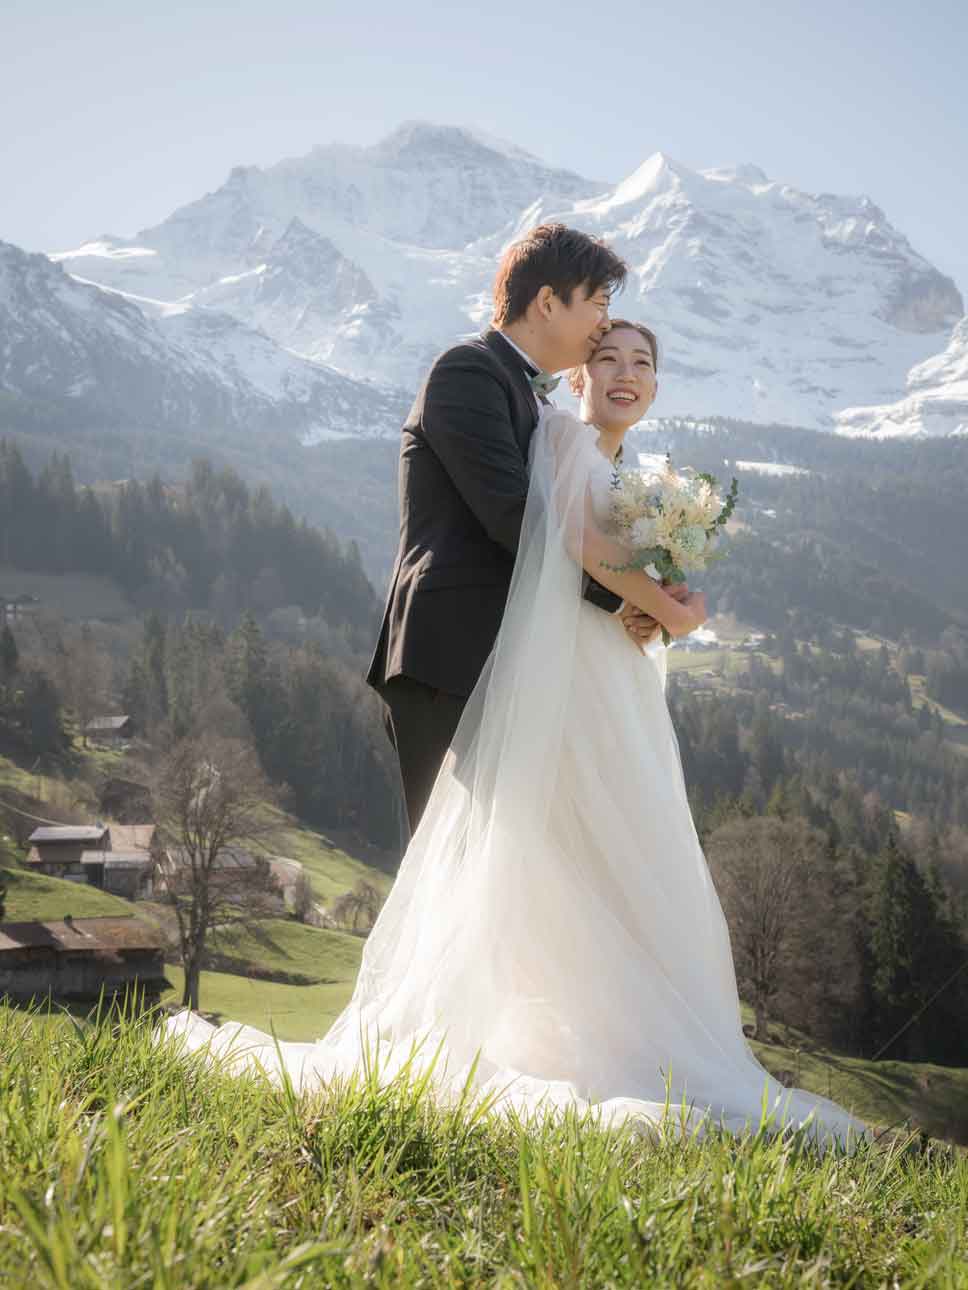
point(361, 904)
point(209, 797)
point(303, 898)
point(761, 869)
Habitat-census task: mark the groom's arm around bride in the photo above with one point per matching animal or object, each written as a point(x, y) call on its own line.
point(463, 485)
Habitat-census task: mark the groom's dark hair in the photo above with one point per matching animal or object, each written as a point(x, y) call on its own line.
point(552, 255)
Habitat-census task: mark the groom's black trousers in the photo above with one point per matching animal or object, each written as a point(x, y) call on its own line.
point(421, 722)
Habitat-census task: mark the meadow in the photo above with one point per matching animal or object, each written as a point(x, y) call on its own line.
point(125, 1164)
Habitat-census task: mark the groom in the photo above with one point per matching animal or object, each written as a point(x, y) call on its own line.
point(463, 485)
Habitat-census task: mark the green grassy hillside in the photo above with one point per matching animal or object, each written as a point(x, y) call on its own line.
point(122, 1164)
point(35, 897)
point(331, 869)
point(296, 1012)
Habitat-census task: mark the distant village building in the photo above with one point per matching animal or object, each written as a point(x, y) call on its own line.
point(109, 730)
point(57, 850)
point(228, 861)
point(123, 873)
point(119, 859)
point(73, 959)
point(124, 799)
point(14, 607)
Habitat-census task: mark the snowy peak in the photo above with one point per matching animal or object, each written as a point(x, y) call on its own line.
point(778, 305)
point(93, 358)
point(424, 185)
point(658, 175)
point(419, 142)
point(310, 257)
point(946, 368)
point(302, 289)
point(936, 403)
point(745, 173)
point(773, 305)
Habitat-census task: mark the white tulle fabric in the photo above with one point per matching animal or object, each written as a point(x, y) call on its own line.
point(553, 920)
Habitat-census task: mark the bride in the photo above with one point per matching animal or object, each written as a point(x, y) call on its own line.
point(553, 937)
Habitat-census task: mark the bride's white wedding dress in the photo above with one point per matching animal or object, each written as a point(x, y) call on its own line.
point(554, 920)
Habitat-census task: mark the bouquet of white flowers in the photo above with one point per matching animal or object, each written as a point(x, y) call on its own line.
point(670, 521)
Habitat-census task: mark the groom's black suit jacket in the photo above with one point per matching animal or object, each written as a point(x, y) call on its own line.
point(463, 483)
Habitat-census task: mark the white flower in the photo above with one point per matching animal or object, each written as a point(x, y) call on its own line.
point(642, 531)
point(692, 538)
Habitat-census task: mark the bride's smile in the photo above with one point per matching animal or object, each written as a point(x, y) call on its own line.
point(618, 383)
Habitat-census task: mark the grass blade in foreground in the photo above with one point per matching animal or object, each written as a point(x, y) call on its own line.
point(121, 1165)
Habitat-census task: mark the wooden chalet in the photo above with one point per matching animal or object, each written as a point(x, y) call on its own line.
point(56, 850)
point(119, 859)
point(109, 730)
point(74, 959)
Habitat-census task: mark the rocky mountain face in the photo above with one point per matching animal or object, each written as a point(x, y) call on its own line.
point(936, 402)
point(78, 351)
point(772, 305)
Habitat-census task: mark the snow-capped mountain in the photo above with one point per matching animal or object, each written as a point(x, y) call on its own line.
point(772, 305)
point(91, 353)
point(936, 402)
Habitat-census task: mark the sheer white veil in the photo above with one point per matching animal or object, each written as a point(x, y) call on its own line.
point(438, 948)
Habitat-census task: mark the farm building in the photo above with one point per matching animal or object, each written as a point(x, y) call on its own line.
point(109, 729)
point(123, 873)
point(75, 958)
point(118, 859)
point(57, 850)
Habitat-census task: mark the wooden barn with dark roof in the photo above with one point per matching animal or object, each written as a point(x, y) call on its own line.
point(73, 959)
point(109, 729)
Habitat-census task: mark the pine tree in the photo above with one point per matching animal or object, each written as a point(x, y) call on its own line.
point(914, 948)
point(251, 682)
point(40, 716)
point(9, 654)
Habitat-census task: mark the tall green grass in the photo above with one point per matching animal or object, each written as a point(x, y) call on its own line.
point(123, 1164)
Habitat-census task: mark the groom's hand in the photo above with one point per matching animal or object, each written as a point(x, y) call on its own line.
point(643, 628)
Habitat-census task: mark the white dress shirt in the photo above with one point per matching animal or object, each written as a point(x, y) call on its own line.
point(530, 362)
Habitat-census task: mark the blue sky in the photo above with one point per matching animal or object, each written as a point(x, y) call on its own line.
point(115, 113)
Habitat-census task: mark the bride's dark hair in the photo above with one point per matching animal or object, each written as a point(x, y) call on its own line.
point(576, 377)
point(555, 256)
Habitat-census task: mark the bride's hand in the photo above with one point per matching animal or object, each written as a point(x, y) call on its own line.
point(642, 627)
point(694, 615)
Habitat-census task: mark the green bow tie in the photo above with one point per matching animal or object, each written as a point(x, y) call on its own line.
point(543, 383)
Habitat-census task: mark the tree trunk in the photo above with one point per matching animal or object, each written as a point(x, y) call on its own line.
point(759, 1019)
point(190, 992)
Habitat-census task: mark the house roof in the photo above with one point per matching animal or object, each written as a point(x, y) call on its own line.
point(94, 935)
point(132, 837)
point(107, 723)
point(69, 833)
point(227, 858)
point(117, 859)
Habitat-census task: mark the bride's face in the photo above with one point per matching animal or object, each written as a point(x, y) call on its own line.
point(619, 380)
